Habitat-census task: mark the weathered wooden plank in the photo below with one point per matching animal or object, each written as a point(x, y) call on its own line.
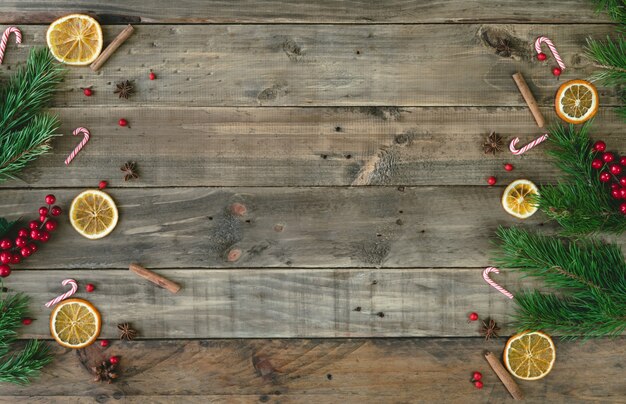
point(282, 11)
point(299, 146)
point(278, 303)
point(283, 227)
point(324, 371)
point(326, 65)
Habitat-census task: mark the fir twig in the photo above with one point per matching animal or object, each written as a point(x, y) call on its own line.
point(24, 132)
point(616, 9)
point(610, 57)
point(590, 277)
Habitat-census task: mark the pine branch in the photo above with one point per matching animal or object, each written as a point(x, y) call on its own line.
point(5, 226)
point(580, 203)
point(610, 57)
point(614, 8)
point(12, 310)
point(590, 277)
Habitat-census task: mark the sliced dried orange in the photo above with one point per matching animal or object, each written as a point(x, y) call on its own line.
point(75, 323)
point(93, 214)
point(517, 201)
point(576, 101)
point(75, 39)
point(529, 355)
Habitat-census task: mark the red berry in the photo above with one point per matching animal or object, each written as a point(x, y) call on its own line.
point(33, 224)
point(508, 167)
point(605, 177)
point(616, 194)
point(597, 164)
point(622, 193)
point(21, 241)
point(6, 243)
point(599, 146)
point(557, 71)
point(16, 259)
point(608, 157)
point(615, 169)
point(102, 184)
point(104, 343)
point(26, 251)
point(42, 218)
point(477, 376)
point(622, 161)
point(33, 247)
point(27, 321)
point(44, 236)
point(622, 208)
point(43, 211)
point(90, 287)
point(34, 234)
point(55, 211)
point(50, 199)
point(87, 91)
point(491, 180)
point(478, 384)
point(51, 225)
point(114, 360)
point(614, 186)
point(5, 271)
point(5, 257)
point(152, 76)
point(23, 232)
point(122, 122)
point(541, 56)
point(473, 316)
point(622, 181)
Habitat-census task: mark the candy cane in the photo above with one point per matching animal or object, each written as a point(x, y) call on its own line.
point(65, 295)
point(495, 285)
point(5, 38)
point(529, 146)
point(542, 56)
point(78, 147)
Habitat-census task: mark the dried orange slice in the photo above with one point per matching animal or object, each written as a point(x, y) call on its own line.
point(529, 355)
point(93, 214)
point(75, 323)
point(516, 199)
point(576, 101)
point(75, 39)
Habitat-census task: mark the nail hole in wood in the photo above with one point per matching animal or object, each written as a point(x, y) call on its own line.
point(329, 376)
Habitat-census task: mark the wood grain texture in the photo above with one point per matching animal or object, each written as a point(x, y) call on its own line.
point(299, 146)
point(324, 371)
point(283, 227)
point(320, 65)
point(280, 303)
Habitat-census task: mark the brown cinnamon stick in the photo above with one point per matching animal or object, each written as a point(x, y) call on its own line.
point(106, 54)
point(529, 98)
point(154, 278)
point(504, 376)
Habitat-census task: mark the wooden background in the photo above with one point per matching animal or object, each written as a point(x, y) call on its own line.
point(351, 131)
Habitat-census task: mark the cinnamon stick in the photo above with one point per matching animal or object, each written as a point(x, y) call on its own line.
point(504, 376)
point(529, 98)
point(154, 278)
point(106, 54)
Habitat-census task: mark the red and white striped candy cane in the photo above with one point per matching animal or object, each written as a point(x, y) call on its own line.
point(529, 146)
point(495, 285)
point(548, 42)
point(5, 39)
point(78, 147)
point(65, 295)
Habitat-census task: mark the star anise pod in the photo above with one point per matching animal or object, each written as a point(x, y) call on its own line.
point(126, 332)
point(493, 143)
point(130, 170)
point(503, 48)
point(104, 372)
point(124, 89)
point(489, 329)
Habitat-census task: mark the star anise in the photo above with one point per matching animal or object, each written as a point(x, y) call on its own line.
point(104, 372)
point(124, 89)
point(126, 332)
point(503, 48)
point(489, 329)
point(130, 170)
point(493, 143)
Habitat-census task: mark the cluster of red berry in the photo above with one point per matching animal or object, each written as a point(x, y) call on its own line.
point(555, 71)
point(477, 376)
point(23, 246)
point(608, 160)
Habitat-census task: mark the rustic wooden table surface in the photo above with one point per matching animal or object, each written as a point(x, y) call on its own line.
point(351, 133)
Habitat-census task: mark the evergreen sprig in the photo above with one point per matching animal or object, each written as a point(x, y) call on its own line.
point(20, 366)
point(616, 9)
point(580, 203)
point(590, 277)
point(25, 132)
point(610, 57)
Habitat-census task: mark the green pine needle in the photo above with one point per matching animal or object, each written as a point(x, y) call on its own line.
point(590, 277)
point(25, 132)
point(580, 203)
point(616, 9)
point(610, 57)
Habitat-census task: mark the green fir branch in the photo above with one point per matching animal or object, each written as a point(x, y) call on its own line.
point(610, 58)
point(588, 278)
point(580, 203)
point(25, 133)
point(5, 226)
point(616, 9)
